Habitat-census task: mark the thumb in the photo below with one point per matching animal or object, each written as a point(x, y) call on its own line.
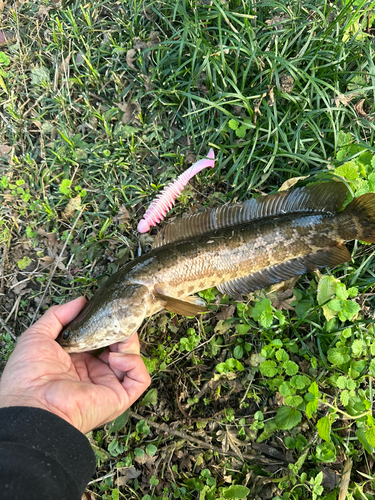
point(51, 323)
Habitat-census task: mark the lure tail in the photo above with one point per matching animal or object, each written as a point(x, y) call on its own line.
point(166, 199)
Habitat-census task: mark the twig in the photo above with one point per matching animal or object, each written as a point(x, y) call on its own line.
point(102, 478)
point(345, 479)
point(5, 252)
point(8, 330)
point(202, 444)
point(55, 266)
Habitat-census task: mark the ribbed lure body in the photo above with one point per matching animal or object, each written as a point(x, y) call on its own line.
point(166, 199)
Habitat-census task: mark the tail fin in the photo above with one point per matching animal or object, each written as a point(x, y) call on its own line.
point(363, 209)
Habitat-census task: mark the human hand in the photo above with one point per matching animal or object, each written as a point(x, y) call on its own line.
point(83, 390)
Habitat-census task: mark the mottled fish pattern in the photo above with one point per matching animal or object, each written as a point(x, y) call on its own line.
point(237, 248)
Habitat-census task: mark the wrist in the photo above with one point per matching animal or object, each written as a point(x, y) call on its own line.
point(8, 400)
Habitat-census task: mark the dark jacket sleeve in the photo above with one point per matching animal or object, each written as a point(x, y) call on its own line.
point(42, 456)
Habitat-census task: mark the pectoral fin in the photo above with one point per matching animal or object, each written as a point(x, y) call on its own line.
point(189, 306)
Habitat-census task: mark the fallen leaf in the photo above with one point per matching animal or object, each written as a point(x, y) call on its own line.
point(358, 108)
point(229, 440)
point(138, 44)
point(5, 150)
point(19, 289)
point(283, 300)
point(128, 109)
point(291, 182)
point(342, 99)
point(330, 478)
point(257, 106)
point(131, 56)
point(88, 495)
point(73, 205)
point(79, 59)
point(43, 11)
point(225, 313)
point(2, 4)
point(64, 65)
point(7, 37)
point(51, 237)
point(127, 473)
point(145, 459)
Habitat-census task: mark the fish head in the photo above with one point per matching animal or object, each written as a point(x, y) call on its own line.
point(108, 318)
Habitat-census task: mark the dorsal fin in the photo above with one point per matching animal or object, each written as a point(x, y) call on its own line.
point(318, 198)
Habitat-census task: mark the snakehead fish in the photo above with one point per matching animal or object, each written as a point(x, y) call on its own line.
point(238, 249)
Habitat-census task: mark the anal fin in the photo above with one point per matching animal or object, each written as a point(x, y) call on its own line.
point(189, 306)
point(330, 256)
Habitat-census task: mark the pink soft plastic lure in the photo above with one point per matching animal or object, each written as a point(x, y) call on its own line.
point(165, 200)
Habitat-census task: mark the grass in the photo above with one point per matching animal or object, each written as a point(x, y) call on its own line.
point(105, 103)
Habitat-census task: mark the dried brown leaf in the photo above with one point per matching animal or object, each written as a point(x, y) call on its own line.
point(127, 473)
point(343, 99)
point(229, 440)
point(122, 215)
point(79, 59)
point(145, 459)
point(64, 65)
point(5, 150)
point(131, 56)
point(225, 313)
point(88, 495)
point(358, 108)
point(43, 11)
point(138, 44)
point(3, 4)
point(7, 37)
point(73, 205)
point(128, 109)
point(290, 182)
point(51, 237)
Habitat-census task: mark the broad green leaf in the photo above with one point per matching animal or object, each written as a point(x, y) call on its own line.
point(268, 368)
point(324, 427)
point(361, 435)
point(238, 352)
point(299, 381)
point(286, 418)
point(344, 397)
point(341, 291)
point(236, 492)
point(338, 355)
point(151, 449)
point(285, 389)
point(150, 398)
point(370, 436)
point(241, 131)
point(349, 171)
point(293, 401)
point(24, 262)
point(326, 291)
point(312, 407)
point(282, 355)
point(341, 382)
point(119, 422)
point(290, 367)
point(233, 124)
point(356, 347)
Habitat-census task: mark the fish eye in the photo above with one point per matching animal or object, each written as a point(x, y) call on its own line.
point(66, 335)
